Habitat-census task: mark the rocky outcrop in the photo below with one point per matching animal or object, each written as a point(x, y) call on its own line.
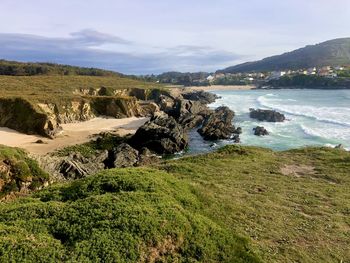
point(218, 125)
point(125, 156)
point(76, 166)
point(201, 96)
point(20, 115)
point(267, 115)
point(116, 107)
point(122, 156)
point(162, 135)
point(260, 131)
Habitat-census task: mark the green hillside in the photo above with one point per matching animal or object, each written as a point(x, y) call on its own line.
point(331, 53)
point(241, 204)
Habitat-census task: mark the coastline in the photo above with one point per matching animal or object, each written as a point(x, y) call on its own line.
point(221, 87)
point(72, 134)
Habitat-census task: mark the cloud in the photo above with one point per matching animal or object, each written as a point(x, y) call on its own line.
point(85, 48)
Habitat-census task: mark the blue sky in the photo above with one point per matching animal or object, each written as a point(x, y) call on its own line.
point(153, 36)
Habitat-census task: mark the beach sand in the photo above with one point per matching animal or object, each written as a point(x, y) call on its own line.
point(221, 87)
point(73, 133)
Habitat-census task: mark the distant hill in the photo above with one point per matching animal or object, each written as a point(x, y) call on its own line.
point(14, 68)
point(330, 53)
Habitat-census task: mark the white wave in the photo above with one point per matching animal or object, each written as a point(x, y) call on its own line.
point(327, 132)
point(335, 115)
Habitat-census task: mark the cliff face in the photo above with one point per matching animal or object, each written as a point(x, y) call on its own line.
point(44, 118)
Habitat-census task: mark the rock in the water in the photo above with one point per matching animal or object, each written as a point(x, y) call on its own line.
point(218, 125)
point(267, 115)
point(162, 135)
point(260, 131)
point(236, 139)
point(122, 156)
point(239, 130)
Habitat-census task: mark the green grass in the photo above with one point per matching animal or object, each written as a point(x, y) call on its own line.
point(59, 88)
point(235, 205)
point(89, 149)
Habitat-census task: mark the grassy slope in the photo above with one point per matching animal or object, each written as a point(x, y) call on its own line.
point(196, 208)
point(51, 88)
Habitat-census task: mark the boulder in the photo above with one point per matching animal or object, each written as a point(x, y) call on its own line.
point(267, 115)
point(260, 131)
point(122, 156)
point(162, 135)
point(218, 125)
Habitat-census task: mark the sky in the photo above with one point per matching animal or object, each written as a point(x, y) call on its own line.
point(154, 36)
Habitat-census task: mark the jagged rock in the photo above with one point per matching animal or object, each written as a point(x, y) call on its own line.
point(149, 108)
point(260, 131)
point(122, 156)
point(190, 121)
point(236, 138)
point(162, 135)
point(185, 107)
point(146, 157)
point(72, 170)
point(339, 146)
point(239, 130)
point(201, 96)
point(267, 115)
point(75, 165)
point(166, 103)
point(218, 125)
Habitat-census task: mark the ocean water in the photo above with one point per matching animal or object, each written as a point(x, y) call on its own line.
point(315, 117)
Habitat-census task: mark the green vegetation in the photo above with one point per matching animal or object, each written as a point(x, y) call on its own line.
point(19, 173)
point(304, 81)
point(330, 53)
point(13, 68)
point(106, 141)
point(60, 88)
point(240, 204)
point(179, 78)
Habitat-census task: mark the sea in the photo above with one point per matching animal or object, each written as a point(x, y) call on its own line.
point(314, 118)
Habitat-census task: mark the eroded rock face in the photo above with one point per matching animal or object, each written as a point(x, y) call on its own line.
point(260, 131)
point(76, 166)
point(267, 115)
point(162, 135)
point(218, 125)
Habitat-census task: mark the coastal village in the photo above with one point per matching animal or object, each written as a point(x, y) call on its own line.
point(258, 78)
point(252, 77)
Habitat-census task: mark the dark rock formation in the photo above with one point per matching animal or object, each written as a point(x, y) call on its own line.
point(218, 125)
point(146, 157)
point(267, 115)
point(260, 131)
point(76, 166)
point(201, 96)
point(122, 156)
point(162, 135)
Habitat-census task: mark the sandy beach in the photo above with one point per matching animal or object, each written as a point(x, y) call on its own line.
point(73, 133)
point(221, 87)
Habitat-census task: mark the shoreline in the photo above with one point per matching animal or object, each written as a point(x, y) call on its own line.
point(72, 134)
point(220, 88)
